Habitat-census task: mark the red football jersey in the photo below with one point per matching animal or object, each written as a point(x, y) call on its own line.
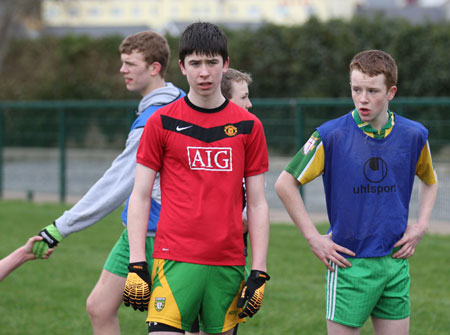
point(202, 155)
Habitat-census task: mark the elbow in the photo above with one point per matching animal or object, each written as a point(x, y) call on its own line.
point(284, 182)
point(279, 187)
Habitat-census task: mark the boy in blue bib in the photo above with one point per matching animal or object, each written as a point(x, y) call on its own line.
point(368, 159)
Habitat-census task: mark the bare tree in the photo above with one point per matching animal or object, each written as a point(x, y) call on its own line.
point(13, 15)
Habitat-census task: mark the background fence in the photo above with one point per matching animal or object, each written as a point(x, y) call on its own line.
point(56, 150)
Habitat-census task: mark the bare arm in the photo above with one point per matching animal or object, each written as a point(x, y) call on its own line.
point(415, 232)
point(322, 245)
point(258, 220)
point(20, 256)
point(138, 212)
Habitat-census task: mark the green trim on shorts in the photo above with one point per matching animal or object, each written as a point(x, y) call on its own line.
point(377, 287)
point(183, 291)
point(119, 257)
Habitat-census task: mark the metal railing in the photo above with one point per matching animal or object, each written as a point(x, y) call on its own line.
point(87, 125)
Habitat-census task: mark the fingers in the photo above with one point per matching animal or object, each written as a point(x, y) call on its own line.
point(48, 253)
point(342, 262)
point(326, 250)
point(33, 239)
point(30, 243)
point(400, 242)
point(136, 292)
point(328, 265)
point(407, 246)
point(405, 252)
point(345, 250)
point(242, 298)
point(339, 260)
point(335, 257)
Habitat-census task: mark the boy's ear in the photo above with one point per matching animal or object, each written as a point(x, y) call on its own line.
point(226, 64)
point(156, 68)
point(391, 92)
point(180, 64)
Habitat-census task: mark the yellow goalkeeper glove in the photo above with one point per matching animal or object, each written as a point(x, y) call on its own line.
point(253, 293)
point(137, 287)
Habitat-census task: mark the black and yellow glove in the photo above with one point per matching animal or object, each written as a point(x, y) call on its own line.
point(253, 293)
point(137, 287)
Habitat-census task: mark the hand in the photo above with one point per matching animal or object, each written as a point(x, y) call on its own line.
point(326, 250)
point(50, 239)
point(253, 293)
point(28, 247)
point(409, 241)
point(137, 287)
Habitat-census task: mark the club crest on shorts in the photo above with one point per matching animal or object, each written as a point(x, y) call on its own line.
point(160, 303)
point(230, 130)
point(309, 145)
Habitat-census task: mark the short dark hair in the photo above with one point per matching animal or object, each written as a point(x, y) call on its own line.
point(375, 62)
point(153, 46)
point(203, 38)
point(233, 75)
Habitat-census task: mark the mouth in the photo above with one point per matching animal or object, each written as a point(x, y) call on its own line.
point(364, 111)
point(127, 80)
point(205, 85)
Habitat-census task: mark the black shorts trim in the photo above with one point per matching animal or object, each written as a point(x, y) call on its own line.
point(161, 327)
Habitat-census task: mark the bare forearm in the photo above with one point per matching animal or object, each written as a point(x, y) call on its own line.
point(287, 190)
point(13, 261)
point(259, 230)
point(427, 198)
point(138, 210)
point(321, 245)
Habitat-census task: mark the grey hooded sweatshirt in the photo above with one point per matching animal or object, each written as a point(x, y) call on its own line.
point(116, 184)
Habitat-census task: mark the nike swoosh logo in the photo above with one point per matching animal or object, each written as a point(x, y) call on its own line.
point(183, 128)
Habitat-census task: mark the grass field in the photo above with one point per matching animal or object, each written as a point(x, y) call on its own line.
point(48, 297)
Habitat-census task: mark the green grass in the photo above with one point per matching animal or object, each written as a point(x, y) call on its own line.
point(48, 297)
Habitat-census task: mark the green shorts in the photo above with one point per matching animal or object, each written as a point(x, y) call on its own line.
point(377, 287)
point(119, 257)
point(183, 291)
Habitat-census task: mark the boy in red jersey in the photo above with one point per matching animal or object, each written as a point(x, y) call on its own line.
point(203, 147)
point(368, 159)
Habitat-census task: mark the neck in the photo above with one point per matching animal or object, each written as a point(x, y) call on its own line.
point(380, 121)
point(158, 82)
point(208, 102)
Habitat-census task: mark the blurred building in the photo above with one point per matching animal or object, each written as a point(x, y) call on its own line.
point(102, 17)
point(414, 11)
point(98, 17)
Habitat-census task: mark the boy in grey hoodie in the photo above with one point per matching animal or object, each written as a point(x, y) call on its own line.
point(145, 58)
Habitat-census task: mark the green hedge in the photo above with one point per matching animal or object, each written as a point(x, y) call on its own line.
point(310, 60)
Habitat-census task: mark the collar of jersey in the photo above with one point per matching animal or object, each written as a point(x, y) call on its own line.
point(367, 128)
point(206, 110)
